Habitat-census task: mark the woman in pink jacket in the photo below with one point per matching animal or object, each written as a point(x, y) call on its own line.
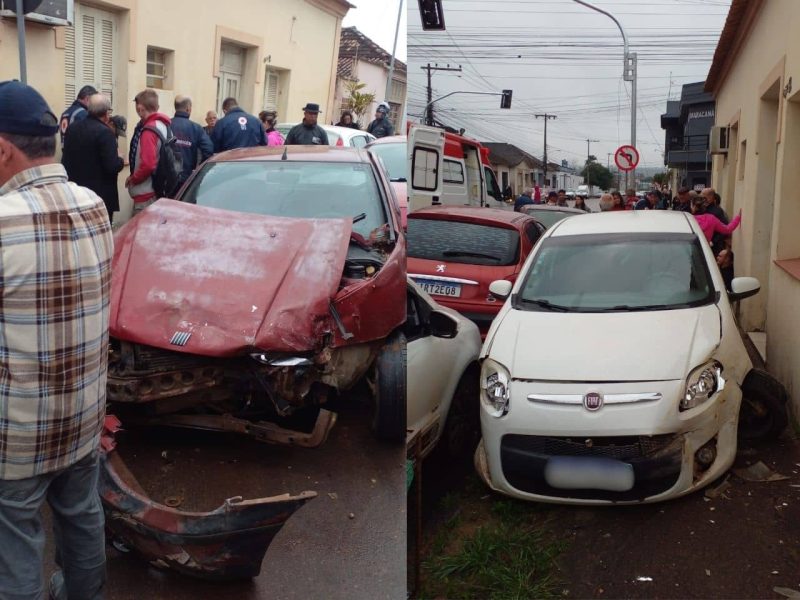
point(272, 135)
point(711, 224)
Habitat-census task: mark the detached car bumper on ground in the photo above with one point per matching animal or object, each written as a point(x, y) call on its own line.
point(615, 372)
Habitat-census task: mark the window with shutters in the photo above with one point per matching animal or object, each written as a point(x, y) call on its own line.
point(271, 91)
point(159, 68)
point(89, 54)
point(397, 91)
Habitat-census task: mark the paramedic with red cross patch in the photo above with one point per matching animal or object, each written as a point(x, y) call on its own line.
point(237, 129)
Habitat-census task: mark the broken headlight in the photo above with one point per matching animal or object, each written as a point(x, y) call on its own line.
point(702, 383)
point(495, 388)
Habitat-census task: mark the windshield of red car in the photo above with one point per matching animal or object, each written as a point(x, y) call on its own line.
point(292, 189)
point(394, 157)
point(457, 242)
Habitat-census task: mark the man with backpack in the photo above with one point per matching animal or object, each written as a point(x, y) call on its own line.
point(156, 163)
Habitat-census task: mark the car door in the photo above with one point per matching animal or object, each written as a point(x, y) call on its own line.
point(431, 362)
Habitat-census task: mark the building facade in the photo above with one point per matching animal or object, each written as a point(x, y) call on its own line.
point(513, 167)
point(687, 124)
point(276, 55)
point(362, 60)
point(755, 80)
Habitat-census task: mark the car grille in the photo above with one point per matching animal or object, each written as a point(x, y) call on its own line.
point(620, 448)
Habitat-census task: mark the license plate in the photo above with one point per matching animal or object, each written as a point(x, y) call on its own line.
point(440, 288)
point(588, 473)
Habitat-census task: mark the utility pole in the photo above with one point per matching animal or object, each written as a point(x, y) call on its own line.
point(608, 161)
point(430, 69)
point(388, 93)
point(546, 117)
point(588, 171)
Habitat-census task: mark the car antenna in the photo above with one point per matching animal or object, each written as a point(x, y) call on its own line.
point(285, 150)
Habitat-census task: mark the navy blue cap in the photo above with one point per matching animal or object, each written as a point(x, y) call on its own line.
point(23, 111)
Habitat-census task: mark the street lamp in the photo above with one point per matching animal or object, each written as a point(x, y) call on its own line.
point(628, 72)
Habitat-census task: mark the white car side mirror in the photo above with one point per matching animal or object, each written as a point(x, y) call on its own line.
point(500, 289)
point(743, 287)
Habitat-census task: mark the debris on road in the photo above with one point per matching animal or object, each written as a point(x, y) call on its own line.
point(644, 579)
point(715, 492)
point(788, 592)
point(759, 472)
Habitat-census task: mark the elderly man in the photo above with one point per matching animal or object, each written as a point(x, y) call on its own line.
point(211, 121)
point(56, 254)
point(91, 157)
point(710, 196)
point(606, 202)
point(307, 132)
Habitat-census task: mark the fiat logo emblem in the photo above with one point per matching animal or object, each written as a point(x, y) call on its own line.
point(440, 268)
point(593, 401)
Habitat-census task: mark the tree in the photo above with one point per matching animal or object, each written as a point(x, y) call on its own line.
point(358, 102)
point(596, 174)
point(661, 178)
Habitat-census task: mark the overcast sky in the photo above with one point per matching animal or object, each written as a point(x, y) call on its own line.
point(377, 20)
point(564, 59)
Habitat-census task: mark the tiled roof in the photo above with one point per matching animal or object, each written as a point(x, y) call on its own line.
point(502, 153)
point(355, 46)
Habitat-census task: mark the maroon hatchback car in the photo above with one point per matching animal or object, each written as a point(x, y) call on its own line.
point(455, 252)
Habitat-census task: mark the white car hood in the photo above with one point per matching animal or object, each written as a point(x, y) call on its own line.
point(624, 346)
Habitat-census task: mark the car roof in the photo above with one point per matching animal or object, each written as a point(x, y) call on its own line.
point(294, 153)
point(342, 132)
point(628, 221)
point(529, 208)
point(391, 139)
point(473, 213)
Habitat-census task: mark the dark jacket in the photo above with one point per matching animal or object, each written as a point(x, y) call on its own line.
point(237, 129)
point(191, 139)
point(381, 128)
point(522, 201)
point(91, 160)
point(351, 125)
point(305, 135)
point(75, 112)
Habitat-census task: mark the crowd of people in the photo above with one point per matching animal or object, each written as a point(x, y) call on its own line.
point(89, 138)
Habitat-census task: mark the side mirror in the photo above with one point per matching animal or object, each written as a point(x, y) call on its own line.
point(743, 287)
point(500, 289)
point(442, 325)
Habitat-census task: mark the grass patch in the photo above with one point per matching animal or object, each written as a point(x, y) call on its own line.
point(491, 548)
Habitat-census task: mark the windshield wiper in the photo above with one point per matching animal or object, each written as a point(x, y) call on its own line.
point(359, 217)
point(546, 304)
point(628, 308)
point(473, 254)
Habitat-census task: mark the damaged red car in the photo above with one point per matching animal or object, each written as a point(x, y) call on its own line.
point(274, 281)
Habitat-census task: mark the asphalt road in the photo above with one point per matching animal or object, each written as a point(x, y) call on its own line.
point(320, 552)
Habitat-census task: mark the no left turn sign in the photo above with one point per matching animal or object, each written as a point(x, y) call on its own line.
point(626, 158)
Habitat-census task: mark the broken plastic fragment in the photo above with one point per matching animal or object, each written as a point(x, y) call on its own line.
point(759, 472)
point(644, 579)
point(788, 592)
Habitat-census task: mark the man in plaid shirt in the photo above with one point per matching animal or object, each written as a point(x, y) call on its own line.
point(55, 258)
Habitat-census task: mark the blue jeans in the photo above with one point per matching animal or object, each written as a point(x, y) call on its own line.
point(78, 525)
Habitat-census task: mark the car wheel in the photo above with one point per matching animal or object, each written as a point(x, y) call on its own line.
point(462, 431)
point(389, 417)
point(763, 415)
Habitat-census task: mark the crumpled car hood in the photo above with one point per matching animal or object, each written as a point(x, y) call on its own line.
point(233, 281)
point(623, 346)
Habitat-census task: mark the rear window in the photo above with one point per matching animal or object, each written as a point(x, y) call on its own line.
point(455, 242)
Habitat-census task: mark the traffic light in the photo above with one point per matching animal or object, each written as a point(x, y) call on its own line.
point(431, 13)
point(505, 101)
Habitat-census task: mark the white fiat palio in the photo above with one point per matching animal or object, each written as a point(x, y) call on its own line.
point(614, 372)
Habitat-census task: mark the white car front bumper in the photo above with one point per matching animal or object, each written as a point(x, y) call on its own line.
point(624, 453)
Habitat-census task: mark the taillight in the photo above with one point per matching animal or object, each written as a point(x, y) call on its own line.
point(339, 142)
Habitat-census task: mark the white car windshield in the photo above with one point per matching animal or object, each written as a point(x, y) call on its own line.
point(616, 273)
point(292, 189)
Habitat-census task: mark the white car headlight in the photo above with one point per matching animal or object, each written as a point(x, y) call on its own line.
point(495, 388)
point(702, 383)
